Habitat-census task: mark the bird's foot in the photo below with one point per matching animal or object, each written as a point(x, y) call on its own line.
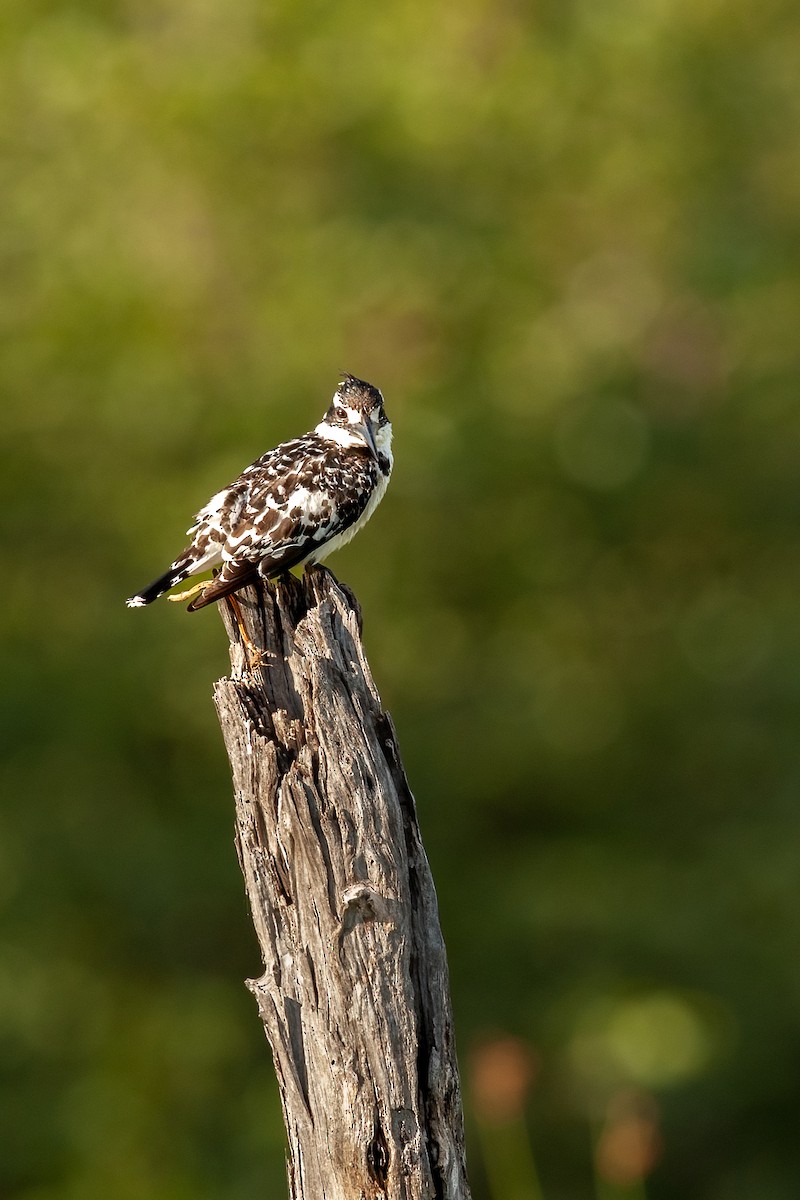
point(255, 656)
point(190, 593)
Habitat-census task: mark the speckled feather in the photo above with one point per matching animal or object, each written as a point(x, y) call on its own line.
point(296, 504)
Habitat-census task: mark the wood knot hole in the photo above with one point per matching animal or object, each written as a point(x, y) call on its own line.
point(378, 1157)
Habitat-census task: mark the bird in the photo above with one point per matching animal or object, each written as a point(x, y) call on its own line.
point(293, 506)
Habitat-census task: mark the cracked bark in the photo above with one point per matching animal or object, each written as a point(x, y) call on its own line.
point(354, 997)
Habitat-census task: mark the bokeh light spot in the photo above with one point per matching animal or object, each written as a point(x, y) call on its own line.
point(602, 444)
point(655, 1040)
point(724, 635)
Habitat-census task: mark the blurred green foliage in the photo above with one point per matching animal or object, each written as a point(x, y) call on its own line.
point(563, 238)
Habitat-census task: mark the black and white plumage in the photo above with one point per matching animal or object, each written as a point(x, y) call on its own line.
point(294, 505)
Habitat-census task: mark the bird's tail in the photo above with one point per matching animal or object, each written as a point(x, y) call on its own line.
point(174, 575)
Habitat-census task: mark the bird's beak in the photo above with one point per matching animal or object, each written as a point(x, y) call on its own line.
point(366, 431)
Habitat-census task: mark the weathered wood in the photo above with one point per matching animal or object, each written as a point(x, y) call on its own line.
point(354, 997)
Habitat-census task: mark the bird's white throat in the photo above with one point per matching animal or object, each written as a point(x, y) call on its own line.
point(349, 438)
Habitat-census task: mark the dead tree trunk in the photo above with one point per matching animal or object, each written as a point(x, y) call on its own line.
point(354, 995)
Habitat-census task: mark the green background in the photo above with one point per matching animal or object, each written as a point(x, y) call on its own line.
point(562, 238)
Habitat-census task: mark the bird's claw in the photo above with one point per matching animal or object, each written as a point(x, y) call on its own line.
point(255, 657)
point(190, 593)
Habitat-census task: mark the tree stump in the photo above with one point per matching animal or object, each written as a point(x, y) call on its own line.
point(354, 997)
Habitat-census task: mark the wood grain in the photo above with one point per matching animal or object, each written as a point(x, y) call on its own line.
point(354, 996)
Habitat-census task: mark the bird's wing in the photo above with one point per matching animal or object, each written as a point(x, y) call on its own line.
point(283, 509)
point(290, 515)
point(233, 576)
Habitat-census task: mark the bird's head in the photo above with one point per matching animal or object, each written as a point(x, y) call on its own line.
point(357, 410)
